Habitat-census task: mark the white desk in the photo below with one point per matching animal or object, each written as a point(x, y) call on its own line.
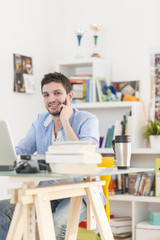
point(33, 204)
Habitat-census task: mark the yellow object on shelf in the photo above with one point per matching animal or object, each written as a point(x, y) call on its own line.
point(106, 162)
point(157, 177)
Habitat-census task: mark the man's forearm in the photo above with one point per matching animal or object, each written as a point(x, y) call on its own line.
point(69, 133)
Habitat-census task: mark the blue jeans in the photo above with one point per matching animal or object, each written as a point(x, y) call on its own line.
point(60, 214)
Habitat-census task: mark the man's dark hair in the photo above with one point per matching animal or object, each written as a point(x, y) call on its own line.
point(58, 78)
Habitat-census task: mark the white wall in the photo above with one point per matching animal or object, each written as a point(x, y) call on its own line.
point(27, 28)
point(44, 30)
point(130, 30)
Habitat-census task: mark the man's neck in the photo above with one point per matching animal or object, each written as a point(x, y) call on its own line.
point(57, 124)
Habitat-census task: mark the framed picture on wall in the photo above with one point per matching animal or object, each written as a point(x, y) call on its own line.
point(23, 74)
point(155, 87)
point(126, 88)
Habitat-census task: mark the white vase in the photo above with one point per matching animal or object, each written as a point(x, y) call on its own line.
point(155, 141)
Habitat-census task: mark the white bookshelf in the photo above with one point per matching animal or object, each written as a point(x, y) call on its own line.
point(135, 151)
point(96, 67)
point(107, 113)
point(137, 207)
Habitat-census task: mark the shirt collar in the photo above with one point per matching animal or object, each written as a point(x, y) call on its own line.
point(48, 120)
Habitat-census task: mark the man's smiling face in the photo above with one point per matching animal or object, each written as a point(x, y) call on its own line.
point(54, 94)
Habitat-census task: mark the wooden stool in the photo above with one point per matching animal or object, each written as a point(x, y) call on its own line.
point(33, 205)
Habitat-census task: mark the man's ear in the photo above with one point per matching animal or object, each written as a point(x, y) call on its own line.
point(70, 96)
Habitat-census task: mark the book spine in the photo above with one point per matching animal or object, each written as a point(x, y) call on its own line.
point(148, 184)
point(152, 192)
point(137, 183)
point(131, 182)
point(87, 90)
point(126, 183)
point(142, 184)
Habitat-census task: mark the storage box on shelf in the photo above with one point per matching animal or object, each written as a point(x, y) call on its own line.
point(146, 231)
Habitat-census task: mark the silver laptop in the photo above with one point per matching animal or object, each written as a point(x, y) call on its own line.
point(7, 150)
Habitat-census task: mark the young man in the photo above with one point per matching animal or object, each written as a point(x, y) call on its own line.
point(62, 122)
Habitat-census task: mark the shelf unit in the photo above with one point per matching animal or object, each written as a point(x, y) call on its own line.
point(96, 67)
point(135, 151)
point(107, 113)
point(137, 207)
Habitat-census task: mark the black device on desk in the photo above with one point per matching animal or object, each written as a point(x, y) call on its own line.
point(10, 161)
point(31, 164)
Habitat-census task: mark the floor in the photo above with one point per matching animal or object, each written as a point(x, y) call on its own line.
point(84, 234)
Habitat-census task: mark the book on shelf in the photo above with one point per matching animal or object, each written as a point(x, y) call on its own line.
point(142, 184)
point(112, 185)
point(110, 133)
point(137, 183)
point(105, 138)
point(121, 221)
point(117, 128)
point(123, 236)
point(116, 185)
point(121, 229)
point(131, 182)
point(127, 124)
point(81, 87)
point(148, 184)
point(101, 142)
point(125, 183)
point(101, 84)
point(152, 192)
point(124, 125)
point(81, 76)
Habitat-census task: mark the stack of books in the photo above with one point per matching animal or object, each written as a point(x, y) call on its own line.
point(73, 157)
point(82, 87)
point(121, 227)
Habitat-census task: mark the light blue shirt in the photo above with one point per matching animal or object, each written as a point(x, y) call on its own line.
point(39, 136)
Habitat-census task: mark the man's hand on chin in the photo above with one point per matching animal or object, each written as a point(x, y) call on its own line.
point(66, 111)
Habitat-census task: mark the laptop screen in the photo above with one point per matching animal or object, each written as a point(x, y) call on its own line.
point(7, 150)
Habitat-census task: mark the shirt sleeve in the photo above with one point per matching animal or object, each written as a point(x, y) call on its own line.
point(89, 130)
point(27, 145)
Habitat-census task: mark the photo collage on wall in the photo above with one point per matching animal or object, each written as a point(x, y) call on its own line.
point(23, 74)
point(155, 87)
